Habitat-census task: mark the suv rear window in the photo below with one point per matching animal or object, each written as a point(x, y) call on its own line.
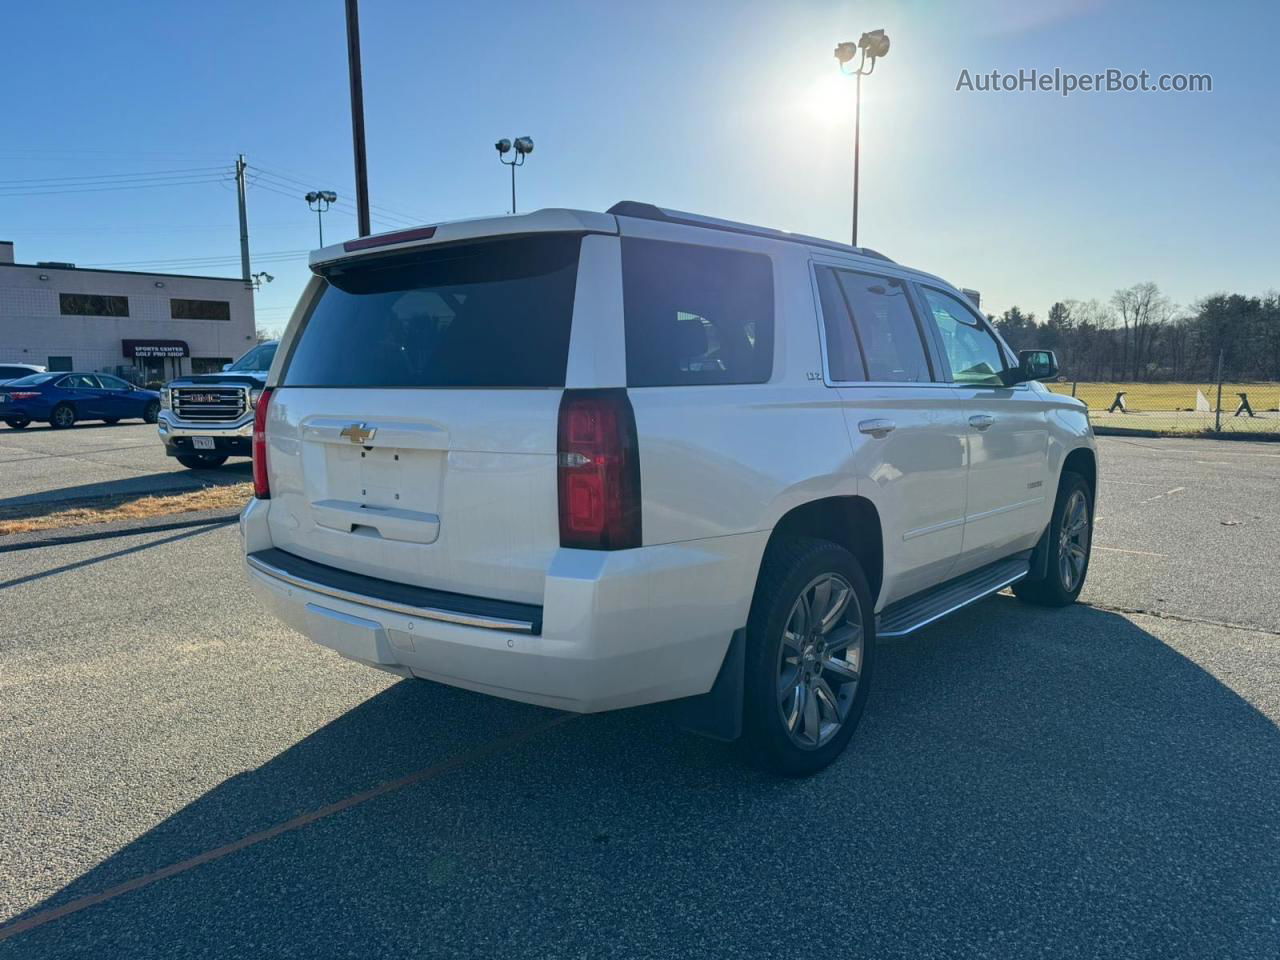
point(696, 315)
point(496, 313)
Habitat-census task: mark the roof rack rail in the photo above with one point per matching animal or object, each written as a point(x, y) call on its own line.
point(649, 211)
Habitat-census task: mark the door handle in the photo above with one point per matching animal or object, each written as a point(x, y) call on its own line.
point(980, 421)
point(877, 428)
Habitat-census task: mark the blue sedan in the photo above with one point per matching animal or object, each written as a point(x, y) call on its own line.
point(60, 399)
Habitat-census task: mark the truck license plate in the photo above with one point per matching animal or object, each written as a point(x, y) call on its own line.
point(202, 443)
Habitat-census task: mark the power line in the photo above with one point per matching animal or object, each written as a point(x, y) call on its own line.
point(13, 193)
point(341, 205)
point(271, 255)
point(153, 175)
point(294, 180)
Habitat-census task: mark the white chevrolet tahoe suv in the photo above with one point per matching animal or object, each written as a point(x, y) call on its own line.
point(595, 460)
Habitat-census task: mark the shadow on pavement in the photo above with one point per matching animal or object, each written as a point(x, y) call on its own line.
point(1025, 783)
point(38, 427)
point(128, 489)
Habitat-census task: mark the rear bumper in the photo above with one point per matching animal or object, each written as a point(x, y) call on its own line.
point(25, 411)
point(617, 629)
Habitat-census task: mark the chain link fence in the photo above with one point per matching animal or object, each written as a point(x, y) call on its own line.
point(1224, 407)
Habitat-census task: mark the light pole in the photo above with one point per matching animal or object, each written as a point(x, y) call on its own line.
point(319, 201)
point(523, 147)
point(258, 279)
point(873, 44)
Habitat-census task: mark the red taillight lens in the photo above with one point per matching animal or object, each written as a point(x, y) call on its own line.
point(24, 394)
point(599, 471)
point(261, 485)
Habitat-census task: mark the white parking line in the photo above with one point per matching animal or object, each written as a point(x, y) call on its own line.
point(1167, 493)
point(1136, 553)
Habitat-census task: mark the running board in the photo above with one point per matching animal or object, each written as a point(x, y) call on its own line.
point(909, 615)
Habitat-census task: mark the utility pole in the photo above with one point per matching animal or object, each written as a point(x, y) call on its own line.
point(244, 220)
point(357, 118)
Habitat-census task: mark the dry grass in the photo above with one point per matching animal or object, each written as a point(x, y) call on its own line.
point(26, 518)
point(1169, 408)
point(1171, 397)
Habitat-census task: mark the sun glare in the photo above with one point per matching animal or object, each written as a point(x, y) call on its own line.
point(828, 99)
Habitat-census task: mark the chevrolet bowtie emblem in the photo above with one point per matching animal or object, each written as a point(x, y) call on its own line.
point(358, 433)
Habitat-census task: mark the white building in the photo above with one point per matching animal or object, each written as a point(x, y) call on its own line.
point(142, 326)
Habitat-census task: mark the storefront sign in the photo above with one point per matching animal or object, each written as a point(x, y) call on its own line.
point(148, 349)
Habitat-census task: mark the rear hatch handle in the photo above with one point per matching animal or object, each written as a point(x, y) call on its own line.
point(391, 523)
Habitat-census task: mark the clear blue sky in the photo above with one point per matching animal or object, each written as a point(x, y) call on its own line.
point(729, 108)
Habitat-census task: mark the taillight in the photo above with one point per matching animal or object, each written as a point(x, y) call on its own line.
point(599, 471)
point(23, 394)
point(261, 485)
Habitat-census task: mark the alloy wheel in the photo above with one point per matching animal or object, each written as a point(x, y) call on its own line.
point(1073, 541)
point(820, 661)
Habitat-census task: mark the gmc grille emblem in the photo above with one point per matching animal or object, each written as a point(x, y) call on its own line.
point(358, 433)
point(203, 398)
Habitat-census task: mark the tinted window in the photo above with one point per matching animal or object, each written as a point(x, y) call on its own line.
point(973, 353)
point(844, 357)
point(885, 327)
point(696, 315)
point(257, 360)
point(490, 314)
point(78, 381)
point(92, 305)
point(200, 309)
point(34, 380)
point(8, 373)
point(112, 383)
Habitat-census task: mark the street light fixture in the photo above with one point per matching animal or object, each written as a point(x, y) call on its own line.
point(258, 279)
point(319, 201)
point(873, 45)
point(523, 147)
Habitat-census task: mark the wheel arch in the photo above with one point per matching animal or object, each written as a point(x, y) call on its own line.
point(849, 521)
point(1083, 461)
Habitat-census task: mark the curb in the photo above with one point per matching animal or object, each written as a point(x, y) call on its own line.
point(107, 531)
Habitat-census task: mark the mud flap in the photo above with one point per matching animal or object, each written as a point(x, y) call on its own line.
point(1039, 559)
point(718, 712)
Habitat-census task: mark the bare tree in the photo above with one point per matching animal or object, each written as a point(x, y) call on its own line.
point(1141, 308)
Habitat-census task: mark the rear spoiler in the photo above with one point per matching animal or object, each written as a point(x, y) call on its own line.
point(554, 220)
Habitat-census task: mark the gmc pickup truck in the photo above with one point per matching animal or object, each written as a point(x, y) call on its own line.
point(205, 418)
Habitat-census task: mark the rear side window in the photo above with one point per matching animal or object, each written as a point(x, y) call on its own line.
point(885, 328)
point(696, 315)
point(491, 314)
point(844, 356)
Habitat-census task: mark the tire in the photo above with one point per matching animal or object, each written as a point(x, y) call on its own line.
point(152, 413)
point(110, 421)
point(63, 416)
point(782, 648)
point(17, 423)
point(1068, 553)
point(202, 461)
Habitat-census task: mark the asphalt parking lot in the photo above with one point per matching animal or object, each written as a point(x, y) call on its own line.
point(182, 777)
point(40, 464)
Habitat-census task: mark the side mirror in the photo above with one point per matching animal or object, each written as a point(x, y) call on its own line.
point(1037, 365)
point(226, 367)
